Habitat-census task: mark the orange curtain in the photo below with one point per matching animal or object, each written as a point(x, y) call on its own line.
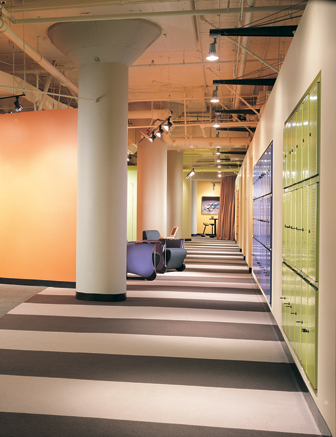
point(226, 211)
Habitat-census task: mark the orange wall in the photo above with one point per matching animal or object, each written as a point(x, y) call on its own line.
point(38, 189)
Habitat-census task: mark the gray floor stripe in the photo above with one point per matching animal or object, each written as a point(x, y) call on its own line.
point(152, 370)
point(36, 425)
point(146, 327)
point(163, 303)
point(166, 287)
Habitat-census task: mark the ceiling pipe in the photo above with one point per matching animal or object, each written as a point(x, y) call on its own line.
point(210, 141)
point(36, 56)
point(153, 114)
point(132, 15)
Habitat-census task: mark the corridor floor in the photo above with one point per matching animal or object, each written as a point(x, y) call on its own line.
point(193, 353)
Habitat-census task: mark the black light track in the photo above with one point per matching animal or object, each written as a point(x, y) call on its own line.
point(255, 82)
point(272, 31)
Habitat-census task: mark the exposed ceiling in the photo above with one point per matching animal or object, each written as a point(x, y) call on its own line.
point(172, 74)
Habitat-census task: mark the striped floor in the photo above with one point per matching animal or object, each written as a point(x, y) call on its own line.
point(193, 353)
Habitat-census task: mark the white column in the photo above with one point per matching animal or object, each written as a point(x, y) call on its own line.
point(103, 50)
point(102, 179)
point(152, 187)
point(174, 190)
point(186, 211)
point(194, 208)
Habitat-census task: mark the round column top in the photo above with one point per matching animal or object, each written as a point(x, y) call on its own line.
point(88, 42)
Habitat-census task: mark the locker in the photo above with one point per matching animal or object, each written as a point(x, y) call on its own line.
point(304, 323)
point(291, 154)
point(305, 138)
point(298, 145)
point(311, 336)
point(304, 241)
point(312, 232)
point(292, 229)
point(284, 225)
point(285, 298)
point(298, 229)
point(297, 315)
point(313, 130)
point(292, 315)
point(288, 220)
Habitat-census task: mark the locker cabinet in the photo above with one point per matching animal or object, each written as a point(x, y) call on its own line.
point(300, 239)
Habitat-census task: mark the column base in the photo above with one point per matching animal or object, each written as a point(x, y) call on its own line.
point(100, 297)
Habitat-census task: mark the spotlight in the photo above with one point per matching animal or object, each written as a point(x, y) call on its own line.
point(152, 137)
point(216, 124)
point(219, 175)
point(212, 51)
point(218, 150)
point(159, 132)
point(218, 161)
point(18, 106)
point(214, 98)
point(191, 174)
point(167, 124)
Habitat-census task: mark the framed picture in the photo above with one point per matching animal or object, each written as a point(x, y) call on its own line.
point(210, 205)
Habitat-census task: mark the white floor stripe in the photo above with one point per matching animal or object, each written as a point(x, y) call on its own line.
point(183, 284)
point(203, 406)
point(155, 293)
point(224, 267)
point(144, 345)
point(153, 313)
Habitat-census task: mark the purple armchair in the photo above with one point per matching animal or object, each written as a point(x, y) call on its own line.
point(142, 259)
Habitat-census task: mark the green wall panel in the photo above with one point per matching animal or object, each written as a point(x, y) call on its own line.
point(300, 239)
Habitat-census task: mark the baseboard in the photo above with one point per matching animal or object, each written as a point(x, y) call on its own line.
point(38, 283)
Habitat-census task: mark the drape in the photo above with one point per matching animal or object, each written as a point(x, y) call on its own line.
point(226, 211)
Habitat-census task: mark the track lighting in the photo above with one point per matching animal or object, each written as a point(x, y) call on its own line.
point(212, 51)
point(18, 106)
point(152, 137)
point(216, 124)
point(214, 98)
point(218, 161)
point(191, 174)
point(167, 124)
point(159, 132)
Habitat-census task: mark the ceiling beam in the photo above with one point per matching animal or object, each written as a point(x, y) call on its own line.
point(254, 82)
point(271, 31)
point(234, 129)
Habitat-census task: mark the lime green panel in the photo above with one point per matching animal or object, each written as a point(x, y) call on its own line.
point(292, 228)
point(312, 337)
point(297, 315)
point(312, 232)
point(292, 178)
point(285, 298)
point(292, 315)
point(313, 130)
point(304, 324)
point(298, 144)
point(304, 240)
point(298, 229)
point(284, 225)
point(305, 138)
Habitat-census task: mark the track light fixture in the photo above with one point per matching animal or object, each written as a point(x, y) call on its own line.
point(212, 56)
point(216, 124)
point(214, 98)
point(191, 174)
point(18, 106)
point(167, 124)
point(159, 132)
